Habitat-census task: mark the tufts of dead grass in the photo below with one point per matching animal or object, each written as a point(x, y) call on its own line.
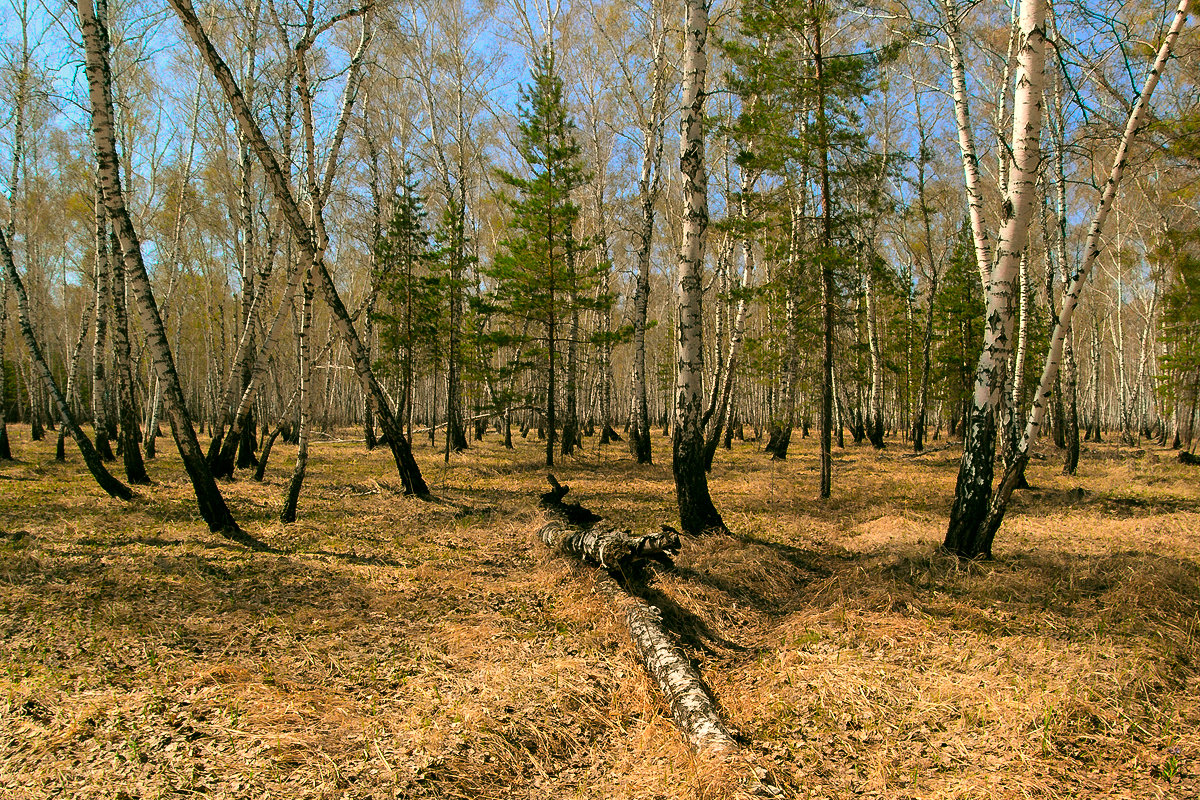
point(399, 648)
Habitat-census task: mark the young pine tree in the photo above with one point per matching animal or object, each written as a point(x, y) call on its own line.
point(411, 288)
point(539, 276)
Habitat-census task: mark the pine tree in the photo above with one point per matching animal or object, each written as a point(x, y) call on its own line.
point(540, 277)
point(799, 120)
point(409, 283)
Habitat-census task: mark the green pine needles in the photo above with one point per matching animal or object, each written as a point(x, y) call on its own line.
point(540, 282)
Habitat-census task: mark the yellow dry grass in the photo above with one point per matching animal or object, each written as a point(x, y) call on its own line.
point(400, 648)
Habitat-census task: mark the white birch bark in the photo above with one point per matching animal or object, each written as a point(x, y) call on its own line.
point(737, 332)
point(696, 511)
point(966, 144)
point(965, 535)
point(1135, 124)
point(212, 504)
point(649, 188)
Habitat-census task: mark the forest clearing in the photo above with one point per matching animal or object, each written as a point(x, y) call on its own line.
point(857, 343)
point(395, 647)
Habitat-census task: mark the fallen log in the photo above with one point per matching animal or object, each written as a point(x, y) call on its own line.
point(609, 547)
point(618, 553)
point(1188, 458)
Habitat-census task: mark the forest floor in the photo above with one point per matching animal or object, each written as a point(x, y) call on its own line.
point(393, 647)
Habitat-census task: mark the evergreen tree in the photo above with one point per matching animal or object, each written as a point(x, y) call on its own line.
point(958, 328)
point(800, 122)
point(1180, 383)
point(540, 278)
point(411, 287)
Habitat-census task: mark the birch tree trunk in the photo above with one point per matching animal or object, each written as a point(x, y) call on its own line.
point(91, 458)
point(1093, 433)
point(649, 187)
point(696, 511)
point(604, 300)
point(248, 368)
point(918, 427)
point(212, 504)
point(966, 535)
point(875, 396)
point(101, 424)
point(966, 144)
point(826, 255)
point(85, 321)
point(305, 366)
point(406, 465)
point(1135, 123)
point(152, 417)
point(1057, 245)
point(5, 448)
point(780, 433)
point(570, 436)
point(131, 453)
point(221, 457)
point(715, 425)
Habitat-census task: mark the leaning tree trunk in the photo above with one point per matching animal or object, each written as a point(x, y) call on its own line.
point(995, 514)
point(965, 535)
point(406, 465)
point(91, 458)
point(697, 513)
point(241, 430)
point(212, 504)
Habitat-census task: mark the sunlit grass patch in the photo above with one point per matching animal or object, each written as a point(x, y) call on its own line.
point(398, 647)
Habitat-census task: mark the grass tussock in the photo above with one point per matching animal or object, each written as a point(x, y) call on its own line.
point(392, 647)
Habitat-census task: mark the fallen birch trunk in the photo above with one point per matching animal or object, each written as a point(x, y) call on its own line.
point(575, 531)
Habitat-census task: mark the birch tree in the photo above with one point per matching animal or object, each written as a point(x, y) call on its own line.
point(1135, 123)
point(965, 536)
point(697, 513)
point(406, 465)
point(212, 505)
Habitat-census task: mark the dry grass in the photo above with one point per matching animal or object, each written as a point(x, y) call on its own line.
point(400, 648)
